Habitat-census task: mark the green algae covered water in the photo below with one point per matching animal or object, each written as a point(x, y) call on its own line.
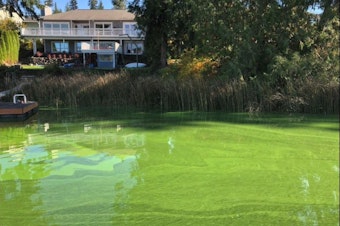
point(99, 168)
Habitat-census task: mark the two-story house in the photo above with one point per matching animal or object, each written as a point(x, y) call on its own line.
point(98, 36)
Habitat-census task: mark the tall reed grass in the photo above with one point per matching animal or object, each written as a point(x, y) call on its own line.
point(125, 90)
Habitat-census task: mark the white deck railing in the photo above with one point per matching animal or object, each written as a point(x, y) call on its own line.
point(76, 32)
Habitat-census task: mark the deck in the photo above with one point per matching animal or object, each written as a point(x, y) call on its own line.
point(18, 110)
point(84, 33)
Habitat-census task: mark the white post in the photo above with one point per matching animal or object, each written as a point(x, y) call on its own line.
point(34, 46)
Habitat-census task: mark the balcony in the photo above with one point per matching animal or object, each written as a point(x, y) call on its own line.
point(76, 33)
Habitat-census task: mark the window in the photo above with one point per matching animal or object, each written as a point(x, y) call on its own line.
point(102, 45)
point(131, 29)
point(47, 28)
point(105, 58)
point(82, 29)
point(64, 28)
point(103, 28)
point(56, 28)
point(59, 47)
point(79, 46)
point(134, 47)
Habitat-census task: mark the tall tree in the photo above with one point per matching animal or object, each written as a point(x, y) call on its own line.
point(119, 4)
point(67, 7)
point(158, 20)
point(73, 5)
point(56, 9)
point(245, 36)
point(22, 8)
point(49, 3)
point(100, 5)
point(93, 4)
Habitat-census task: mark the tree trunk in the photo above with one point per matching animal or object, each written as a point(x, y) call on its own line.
point(163, 52)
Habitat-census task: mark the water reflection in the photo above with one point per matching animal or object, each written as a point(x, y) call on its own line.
point(23, 163)
point(171, 145)
point(312, 214)
point(64, 174)
point(83, 189)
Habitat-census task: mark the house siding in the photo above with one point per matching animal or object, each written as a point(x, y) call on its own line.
point(82, 28)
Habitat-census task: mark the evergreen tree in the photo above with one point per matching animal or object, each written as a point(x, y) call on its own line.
point(49, 3)
point(56, 9)
point(67, 7)
point(119, 4)
point(22, 8)
point(73, 5)
point(100, 5)
point(93, 4)
point(164, 22)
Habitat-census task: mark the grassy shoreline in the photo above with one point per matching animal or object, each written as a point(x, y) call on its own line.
point(164, 92)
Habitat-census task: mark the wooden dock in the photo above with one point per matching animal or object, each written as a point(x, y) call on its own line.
point(21, 111)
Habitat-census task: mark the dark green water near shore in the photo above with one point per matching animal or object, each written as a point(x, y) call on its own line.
point(108, 168)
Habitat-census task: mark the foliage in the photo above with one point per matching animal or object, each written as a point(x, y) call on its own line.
point(56, 9)
point(53, 69)
point(22, 8)
point(320, 61)
point(153, 18)
point(49, 3)
point(247, 38)
point(167, 27)
point(190, 66)
point(8, 24)
point(3, 48)
point(93, 4)
point(73, 4)
point(100, 5)
point(119, 4)
point(9, 47)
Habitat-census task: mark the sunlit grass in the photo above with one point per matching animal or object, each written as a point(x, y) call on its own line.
point(32, 67)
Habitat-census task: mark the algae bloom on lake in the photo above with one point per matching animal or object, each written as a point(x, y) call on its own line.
point(100, 168)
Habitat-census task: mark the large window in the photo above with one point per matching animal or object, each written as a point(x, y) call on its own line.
point(56, 28)
point(101, 45)
point(103, 28)
point(82, 29)
point(131, 29)
point(134, 47)
point(59, 47)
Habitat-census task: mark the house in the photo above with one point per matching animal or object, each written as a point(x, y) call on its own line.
point(99, 37)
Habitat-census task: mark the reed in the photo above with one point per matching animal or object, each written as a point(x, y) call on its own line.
point(126, 89)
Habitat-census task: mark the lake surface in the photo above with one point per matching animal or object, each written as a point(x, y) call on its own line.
point(106, 168)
